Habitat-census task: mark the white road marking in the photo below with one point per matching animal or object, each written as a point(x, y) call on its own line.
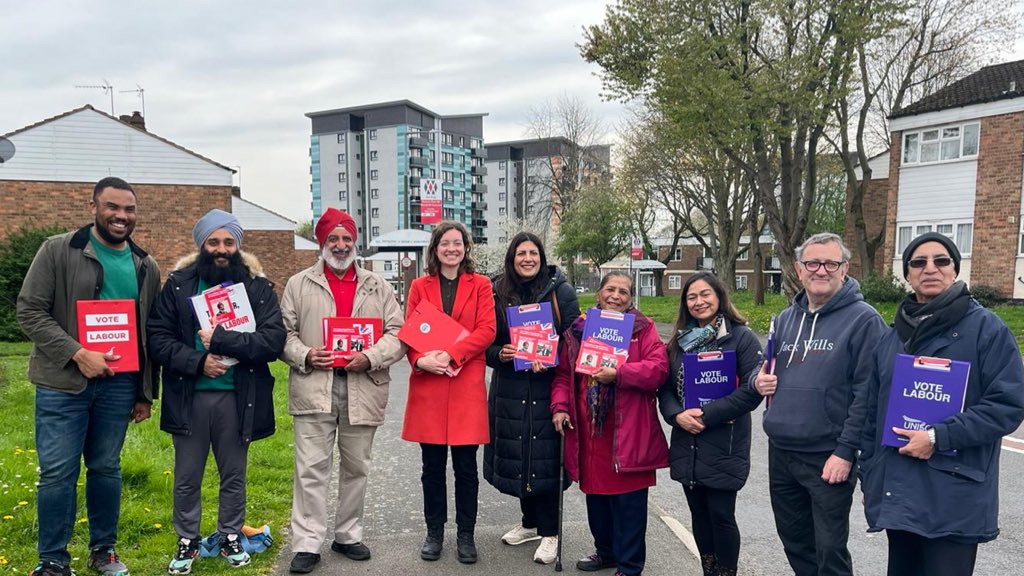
point(677, 528)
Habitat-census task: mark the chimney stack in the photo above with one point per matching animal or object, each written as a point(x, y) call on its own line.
point(135, 120)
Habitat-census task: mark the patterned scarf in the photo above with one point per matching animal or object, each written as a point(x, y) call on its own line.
point(691, 340)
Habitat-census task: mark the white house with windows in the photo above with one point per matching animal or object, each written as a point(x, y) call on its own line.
point(956, 168)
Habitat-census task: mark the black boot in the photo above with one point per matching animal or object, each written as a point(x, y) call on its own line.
point(709, 565)
point(722, 571)
point(466, 546)
point(432, 544)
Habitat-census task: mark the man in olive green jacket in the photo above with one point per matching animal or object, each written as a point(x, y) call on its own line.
point(82, 407)
point(343, 405)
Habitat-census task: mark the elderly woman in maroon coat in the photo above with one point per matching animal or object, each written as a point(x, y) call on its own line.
point(613, 438)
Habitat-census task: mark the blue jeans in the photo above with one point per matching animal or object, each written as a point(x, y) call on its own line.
point(92, 425)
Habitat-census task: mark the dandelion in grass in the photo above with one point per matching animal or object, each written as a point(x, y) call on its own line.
point(3, 560)
point(147, 509)
point(8, 517)
point(31, 450)
point(23, 503)
point(158, 525)
point(83, 520)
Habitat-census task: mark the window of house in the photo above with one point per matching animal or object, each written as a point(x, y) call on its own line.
point(501, 196)
point(961, 233)
point(941, 144)
point(742, 256)
point(462, 141)
point(373, 155)
point(502, 165)
point(387, 264)
point(342, 177)
point(341, 158)
point(342, 195)
point(374, 212)
point(448, 176)
point(501, 181)
point(447, 158)
point(373, 134)
point(373, 174)
point(341, 138)
point(501, 211)
point(449, 196)
point(449, 213)
point(741, 281)
point(375, 231)
point(677, 256)
point(374, 193)
point(359, 175)
point(462, 179)
point(646, 280)
point(675, 282)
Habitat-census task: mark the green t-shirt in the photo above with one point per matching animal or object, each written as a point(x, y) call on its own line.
point(119, 279)
point(225, 381)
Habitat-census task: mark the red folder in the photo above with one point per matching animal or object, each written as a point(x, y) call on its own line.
point(109, 326)
point(428, 328)
point(345, 336)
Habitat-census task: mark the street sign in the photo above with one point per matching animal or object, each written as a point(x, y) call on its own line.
point(638, 249)
point(406, 262)
point(430, 201)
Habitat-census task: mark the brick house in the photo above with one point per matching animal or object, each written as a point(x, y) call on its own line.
point(49, 169)
point(956, 167)
point(875, 201)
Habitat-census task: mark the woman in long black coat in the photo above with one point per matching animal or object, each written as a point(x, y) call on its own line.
point(522, 458)
point(710, 449)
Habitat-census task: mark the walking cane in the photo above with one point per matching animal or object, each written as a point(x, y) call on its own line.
point(561, 492)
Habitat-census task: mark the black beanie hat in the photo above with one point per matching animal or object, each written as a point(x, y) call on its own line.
point(931, 237)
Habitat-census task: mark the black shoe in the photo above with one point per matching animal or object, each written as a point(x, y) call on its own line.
point(357, 551)
point(466, 548)
point(47, 568)
point(304, 562)
point(433, 543)
point(594, 562)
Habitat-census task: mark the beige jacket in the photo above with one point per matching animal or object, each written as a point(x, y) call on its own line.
point(307, 301)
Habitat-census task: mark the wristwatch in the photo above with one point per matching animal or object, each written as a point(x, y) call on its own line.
point(931, 436)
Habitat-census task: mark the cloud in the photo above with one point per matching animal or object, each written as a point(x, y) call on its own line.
point(232, 80)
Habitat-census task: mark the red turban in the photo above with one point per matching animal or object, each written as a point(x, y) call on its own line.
point(331, 219)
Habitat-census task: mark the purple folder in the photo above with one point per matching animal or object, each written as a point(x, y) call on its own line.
point(708, 376)
point(612, 328)
point(925, 391)
point(530, 315)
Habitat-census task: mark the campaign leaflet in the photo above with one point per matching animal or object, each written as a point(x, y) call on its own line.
point(708, 376)
point(344, 336)
point(534, 343)
point(108, 327)
point(595, 355)
point(225, 305)
point(924, 391)
point(608, 327)
point(536, 315)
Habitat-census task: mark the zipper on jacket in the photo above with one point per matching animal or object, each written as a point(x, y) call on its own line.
point(732, 427)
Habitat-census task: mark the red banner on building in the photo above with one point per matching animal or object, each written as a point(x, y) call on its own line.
point(430, 201)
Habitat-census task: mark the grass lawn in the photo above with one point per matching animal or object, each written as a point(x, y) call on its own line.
point(147, 539)
point(666, 308)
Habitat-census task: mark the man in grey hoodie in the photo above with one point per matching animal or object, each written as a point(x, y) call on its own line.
point(824, 341)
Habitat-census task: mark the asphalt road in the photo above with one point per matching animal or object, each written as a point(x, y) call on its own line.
point(394, 521)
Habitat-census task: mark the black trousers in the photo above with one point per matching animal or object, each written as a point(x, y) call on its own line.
point(619, 526)
point(714, 523)
point(811, 515)
point(541, 512)
point(435, 485)
point(914, 555)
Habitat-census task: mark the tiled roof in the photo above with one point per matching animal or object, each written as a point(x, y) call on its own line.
point(991, 83)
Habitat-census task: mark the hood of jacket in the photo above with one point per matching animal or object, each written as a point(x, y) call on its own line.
point(250, 260)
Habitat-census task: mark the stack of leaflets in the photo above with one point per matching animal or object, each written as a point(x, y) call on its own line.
point(225, 305)
point(532, 333)
point(108, 327)
point(708, 376)
point(605, 340)
point(924, 392)
point(344, 336)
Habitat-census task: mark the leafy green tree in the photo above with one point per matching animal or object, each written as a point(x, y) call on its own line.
point(305, 230)
point(16, 254)
point(596, 227)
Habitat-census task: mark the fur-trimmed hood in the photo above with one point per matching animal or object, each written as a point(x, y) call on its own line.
point(250, 260)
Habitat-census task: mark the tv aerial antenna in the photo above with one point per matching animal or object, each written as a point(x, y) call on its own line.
point(141, 93)
point(107, 89)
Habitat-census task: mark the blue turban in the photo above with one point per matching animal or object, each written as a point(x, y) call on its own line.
point(214, 220)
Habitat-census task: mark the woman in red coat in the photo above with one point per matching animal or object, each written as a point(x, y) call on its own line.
point(613, 437)
point(444, 410)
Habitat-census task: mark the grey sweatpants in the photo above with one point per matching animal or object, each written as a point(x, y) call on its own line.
point(214, 424)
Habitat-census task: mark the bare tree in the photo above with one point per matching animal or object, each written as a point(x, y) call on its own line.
point(934, 44)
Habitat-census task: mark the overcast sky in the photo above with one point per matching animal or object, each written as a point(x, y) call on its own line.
point(232, 80)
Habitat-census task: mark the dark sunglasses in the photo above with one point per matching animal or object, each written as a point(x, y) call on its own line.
point(939, 261)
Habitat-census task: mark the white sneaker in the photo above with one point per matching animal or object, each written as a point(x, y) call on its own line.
point(519, 535)
point(547, 550)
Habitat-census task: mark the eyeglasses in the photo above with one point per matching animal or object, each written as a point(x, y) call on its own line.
point(831, 266)
point(939, 261)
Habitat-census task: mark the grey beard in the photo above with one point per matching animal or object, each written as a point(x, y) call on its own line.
point(337, 264)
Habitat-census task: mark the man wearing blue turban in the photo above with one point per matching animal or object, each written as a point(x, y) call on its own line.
point(217, 386)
